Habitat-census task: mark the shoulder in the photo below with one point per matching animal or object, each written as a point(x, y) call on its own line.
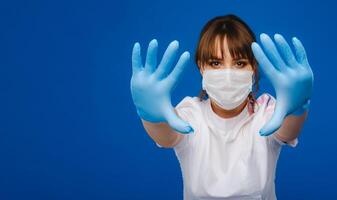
point(265, 106)
point(266, 100)
point(265, 103)
point(190, 108)
point(189, 101)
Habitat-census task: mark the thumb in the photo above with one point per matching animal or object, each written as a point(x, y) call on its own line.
point(275, 122)
point(177, 123)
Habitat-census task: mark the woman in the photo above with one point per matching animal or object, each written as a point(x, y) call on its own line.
point(235, 139)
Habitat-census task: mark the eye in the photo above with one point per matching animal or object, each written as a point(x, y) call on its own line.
point(240, 64)
point(214, 63)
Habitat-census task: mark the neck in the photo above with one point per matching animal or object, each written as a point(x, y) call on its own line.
point(228, 113)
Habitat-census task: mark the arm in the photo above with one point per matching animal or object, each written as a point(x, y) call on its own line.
point(162, 134)
point(292, 124)
point(291, 127)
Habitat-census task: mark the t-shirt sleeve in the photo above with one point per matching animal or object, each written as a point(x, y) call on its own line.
point(188, 110)
point(268, 102)
point(184, 110)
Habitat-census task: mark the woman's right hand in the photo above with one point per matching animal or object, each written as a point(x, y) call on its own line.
point(151, 88)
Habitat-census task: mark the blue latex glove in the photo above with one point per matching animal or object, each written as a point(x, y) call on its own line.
point(290, 75)
point(302, 109)
point(151, 88)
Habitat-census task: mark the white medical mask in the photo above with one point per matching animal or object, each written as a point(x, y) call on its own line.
point(227, 87)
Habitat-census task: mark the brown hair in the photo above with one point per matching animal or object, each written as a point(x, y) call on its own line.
point(239, 39)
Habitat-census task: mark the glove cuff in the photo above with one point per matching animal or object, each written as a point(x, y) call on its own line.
point(299, 111)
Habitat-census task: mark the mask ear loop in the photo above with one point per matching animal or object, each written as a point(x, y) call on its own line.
point(251, 102)
point(251, 99)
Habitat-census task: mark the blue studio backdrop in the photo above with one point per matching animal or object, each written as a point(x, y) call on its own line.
point(68, 126)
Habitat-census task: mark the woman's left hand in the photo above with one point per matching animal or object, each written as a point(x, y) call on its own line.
point(290, 75)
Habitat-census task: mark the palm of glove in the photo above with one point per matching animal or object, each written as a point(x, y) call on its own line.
point(290, 75)
point(151, 88)
point(151, 96)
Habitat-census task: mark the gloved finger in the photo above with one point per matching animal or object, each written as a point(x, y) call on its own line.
point(301, 55)
point(177, 123)
point(173, 77)
point(263, 61)
point(275, 122)
point(167, 60)
point(271, 52)
point(285, 50)
point(136, 58)
point(151, 57)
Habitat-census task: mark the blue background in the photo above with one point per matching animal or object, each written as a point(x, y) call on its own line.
point(69, 129)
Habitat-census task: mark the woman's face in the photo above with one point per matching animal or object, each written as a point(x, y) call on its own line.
point(227, 61)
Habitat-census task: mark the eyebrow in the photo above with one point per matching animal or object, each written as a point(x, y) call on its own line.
point(215, 58)
point(236, 59)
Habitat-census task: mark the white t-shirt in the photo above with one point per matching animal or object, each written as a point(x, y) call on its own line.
point(227, 158)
